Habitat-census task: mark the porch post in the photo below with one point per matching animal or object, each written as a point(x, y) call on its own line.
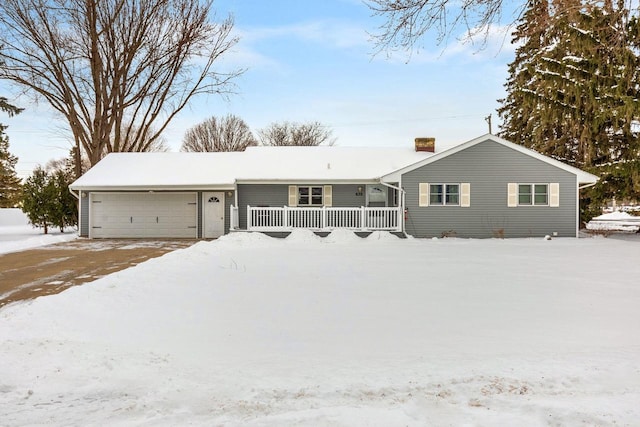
point(323, 218)
point(248, 218)
point(402, 208)
point(363, 217)
point(285, 217)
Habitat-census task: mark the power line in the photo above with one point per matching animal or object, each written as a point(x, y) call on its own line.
point(389, 121)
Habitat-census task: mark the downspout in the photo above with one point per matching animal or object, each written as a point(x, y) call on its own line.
point(401, 204)
point(237, 208)
point(578, 204)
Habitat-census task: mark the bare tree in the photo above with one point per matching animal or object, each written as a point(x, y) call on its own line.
point(229, 133)
point(118, 71)
point(407, 21)
point(302, 134)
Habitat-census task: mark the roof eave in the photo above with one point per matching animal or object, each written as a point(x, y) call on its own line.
point(182, 187)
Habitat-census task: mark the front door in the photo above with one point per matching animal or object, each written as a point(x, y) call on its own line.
point(213, 214)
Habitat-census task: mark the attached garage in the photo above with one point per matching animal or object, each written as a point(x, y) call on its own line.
point(148, 214)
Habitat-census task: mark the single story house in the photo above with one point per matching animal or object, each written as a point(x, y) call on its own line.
point(486, 187)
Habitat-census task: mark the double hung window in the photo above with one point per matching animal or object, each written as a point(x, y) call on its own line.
point(533, 194)
point(310, 196)
point(444, 194)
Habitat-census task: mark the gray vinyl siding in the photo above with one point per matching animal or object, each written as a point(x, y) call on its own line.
point(489, 167)
point(84, 214)
point(277, 195)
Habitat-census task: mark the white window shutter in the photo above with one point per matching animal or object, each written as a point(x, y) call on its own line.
point(465, 194)
point(423, 194)
point(328, 195)
point(554, 194)
point(512, 195)
point(293, 195)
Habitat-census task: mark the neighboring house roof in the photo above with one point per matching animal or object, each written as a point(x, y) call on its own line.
point(256, 164)
point(584, 178)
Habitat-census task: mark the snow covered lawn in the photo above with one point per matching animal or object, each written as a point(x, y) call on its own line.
point(16, 234)
point(341, 331)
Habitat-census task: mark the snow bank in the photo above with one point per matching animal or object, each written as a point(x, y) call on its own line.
point(251, 330)
point(615, 221)
point(615, 215)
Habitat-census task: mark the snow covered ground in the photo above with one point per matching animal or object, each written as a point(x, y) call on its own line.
point(17, 234)
point(341, 331)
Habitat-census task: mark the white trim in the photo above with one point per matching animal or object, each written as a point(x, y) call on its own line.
point(164, 188)
point(532, 186)
point(445, 187)
point(582, 176)
point(578, 208)
point(307, 182)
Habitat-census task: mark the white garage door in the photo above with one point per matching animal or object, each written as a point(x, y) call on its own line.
point(143, 215)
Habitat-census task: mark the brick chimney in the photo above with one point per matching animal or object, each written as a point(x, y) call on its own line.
point(426, 144)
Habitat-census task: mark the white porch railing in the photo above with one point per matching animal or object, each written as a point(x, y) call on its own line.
point(320, 219)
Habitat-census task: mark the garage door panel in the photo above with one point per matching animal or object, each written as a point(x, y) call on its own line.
point(144, 215)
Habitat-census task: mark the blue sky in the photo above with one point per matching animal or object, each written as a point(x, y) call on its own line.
point(310, 60)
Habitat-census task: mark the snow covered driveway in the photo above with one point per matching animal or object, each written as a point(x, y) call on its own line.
point(341, 331)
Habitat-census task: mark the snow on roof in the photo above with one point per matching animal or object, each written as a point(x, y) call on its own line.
point(193, 170)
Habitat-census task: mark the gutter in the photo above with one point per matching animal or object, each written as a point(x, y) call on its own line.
point(587, 185)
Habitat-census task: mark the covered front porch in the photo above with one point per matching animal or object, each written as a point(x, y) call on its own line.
point(287, 218)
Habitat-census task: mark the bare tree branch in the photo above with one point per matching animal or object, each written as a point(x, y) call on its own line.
point(406, 22)
point(230, 133)
point(301, 134)
point(118, 71)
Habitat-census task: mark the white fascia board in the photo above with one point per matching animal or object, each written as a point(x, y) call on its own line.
point(583, 177)
point(308, 181)
point(116, 189)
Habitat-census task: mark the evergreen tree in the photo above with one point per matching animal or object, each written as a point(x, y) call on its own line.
point(572, 91)
point(10, 184)
point(65, 211)
point(40, 199)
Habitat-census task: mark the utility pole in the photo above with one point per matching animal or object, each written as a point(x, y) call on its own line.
point(488, 120)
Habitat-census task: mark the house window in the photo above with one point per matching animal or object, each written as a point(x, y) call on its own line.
point(310, 196)
point(533, 194)
point(444, 194)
